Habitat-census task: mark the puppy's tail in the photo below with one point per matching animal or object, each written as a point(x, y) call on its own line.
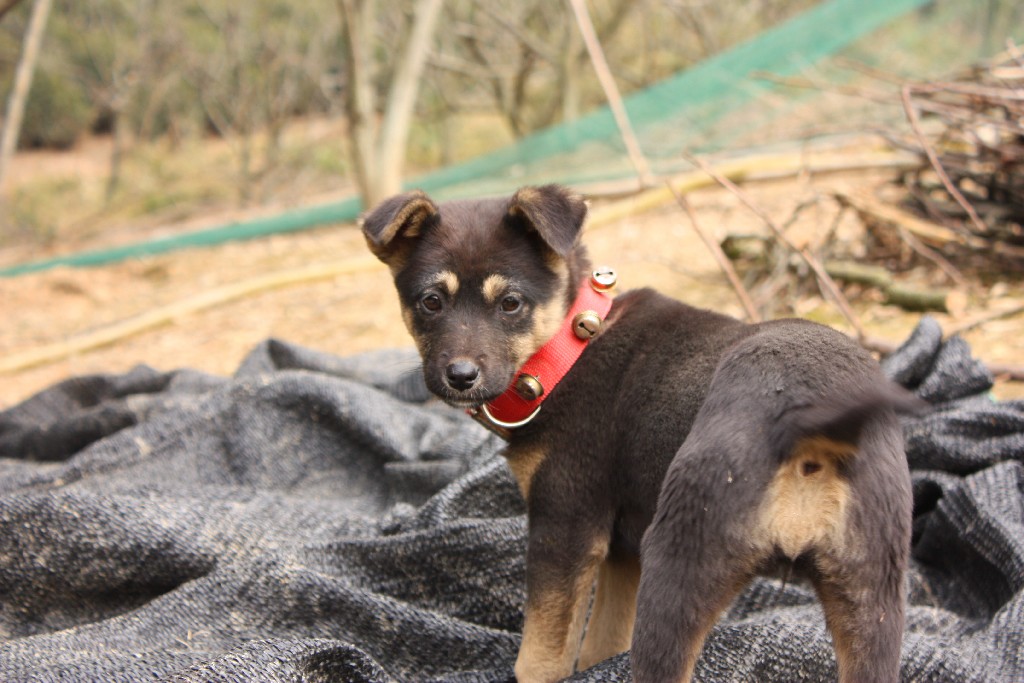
point(841, 418)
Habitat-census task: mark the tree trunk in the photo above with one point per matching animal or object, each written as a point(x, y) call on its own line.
point(116, 154)
point(22, 83)
point(571, 72)
point(401, 103)
point(358, 28)
point(378, 154)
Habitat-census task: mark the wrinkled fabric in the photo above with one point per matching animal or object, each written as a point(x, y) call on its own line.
point(322, 518)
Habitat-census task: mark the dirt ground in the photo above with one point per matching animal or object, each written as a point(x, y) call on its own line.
point(358, 311)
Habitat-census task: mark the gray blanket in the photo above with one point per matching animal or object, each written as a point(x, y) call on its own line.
point(321, 518)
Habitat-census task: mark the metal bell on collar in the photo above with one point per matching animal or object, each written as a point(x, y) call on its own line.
point(529, 387)
point(586, 324)
point(603, 279)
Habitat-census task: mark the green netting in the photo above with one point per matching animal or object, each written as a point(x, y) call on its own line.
point(674, 115)
point(715, 105)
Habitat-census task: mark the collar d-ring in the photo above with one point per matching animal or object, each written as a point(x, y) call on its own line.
point(508, 425)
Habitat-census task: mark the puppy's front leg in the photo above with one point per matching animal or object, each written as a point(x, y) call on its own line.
point(560, 571)
point(610, 628)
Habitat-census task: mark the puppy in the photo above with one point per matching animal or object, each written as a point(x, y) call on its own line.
point(780, 440)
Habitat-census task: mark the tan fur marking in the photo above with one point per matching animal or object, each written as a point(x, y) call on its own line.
point(546, 321)
point(547, 318)
point(494, 286)
point(416, 210)
point(524, 463)
point(420, 340)
point(394, 261)
point(557, 265)
point(408, 319)
point(842, 623)
point(801, 511)
point(611, 621)
point(696, 642)
point(553, 626)
point(448, 280)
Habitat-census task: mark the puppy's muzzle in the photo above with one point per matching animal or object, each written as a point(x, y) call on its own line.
point(461, 375)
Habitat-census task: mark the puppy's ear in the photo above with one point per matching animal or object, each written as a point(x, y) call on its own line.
point(390, 228)
point(554, 212)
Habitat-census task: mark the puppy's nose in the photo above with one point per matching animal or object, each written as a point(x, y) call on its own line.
point(461, 374)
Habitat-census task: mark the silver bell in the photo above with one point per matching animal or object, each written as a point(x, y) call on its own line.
point(603, 279)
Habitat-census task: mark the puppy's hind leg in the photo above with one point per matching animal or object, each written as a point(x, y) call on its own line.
point(860, 578)
point(690, 575)
point(849, 506)
point(866, 627)
point(610, 629)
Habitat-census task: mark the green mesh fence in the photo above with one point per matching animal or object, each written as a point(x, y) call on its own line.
point(715, 105)
point(674, 115)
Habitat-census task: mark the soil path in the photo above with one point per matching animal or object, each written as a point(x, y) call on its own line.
point(359, 312)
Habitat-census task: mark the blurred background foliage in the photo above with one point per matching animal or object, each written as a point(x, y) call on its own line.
point(243, 101)
point(178, 70)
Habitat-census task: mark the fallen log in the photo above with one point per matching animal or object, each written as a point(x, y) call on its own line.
point(907, 297)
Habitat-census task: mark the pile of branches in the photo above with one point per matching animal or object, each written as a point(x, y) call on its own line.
point(970, 135)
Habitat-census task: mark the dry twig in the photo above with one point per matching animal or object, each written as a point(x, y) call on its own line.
point(980, 320)
point(611, 91)
point(826, 283)
point(933, 157)
point(723, 261)
point(975, 147)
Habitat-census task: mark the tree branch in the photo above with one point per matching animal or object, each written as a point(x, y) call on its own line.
point(611, 91)
point(22, 83)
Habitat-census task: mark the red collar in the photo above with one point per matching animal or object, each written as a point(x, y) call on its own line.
point(546, 368)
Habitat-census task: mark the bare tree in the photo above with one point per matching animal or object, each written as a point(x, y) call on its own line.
point(528, 56)
point(379, 130)
point(22, 83)
point(253, 77)
point(111, 75)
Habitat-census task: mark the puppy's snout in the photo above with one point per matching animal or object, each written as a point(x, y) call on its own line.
point(461, 374)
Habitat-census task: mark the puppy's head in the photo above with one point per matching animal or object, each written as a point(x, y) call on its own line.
point(483, 284)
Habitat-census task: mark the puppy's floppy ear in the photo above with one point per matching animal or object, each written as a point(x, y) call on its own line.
point(390, 227)
point(554, 212)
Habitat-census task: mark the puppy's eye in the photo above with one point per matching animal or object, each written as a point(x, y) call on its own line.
point(511, 304)
point(431, 303)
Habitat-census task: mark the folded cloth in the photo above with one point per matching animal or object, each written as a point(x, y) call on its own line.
point(323, 518)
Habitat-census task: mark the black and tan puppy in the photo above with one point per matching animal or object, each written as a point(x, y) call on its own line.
point(780, 441)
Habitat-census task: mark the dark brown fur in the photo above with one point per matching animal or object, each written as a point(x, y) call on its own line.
point(777, 444)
